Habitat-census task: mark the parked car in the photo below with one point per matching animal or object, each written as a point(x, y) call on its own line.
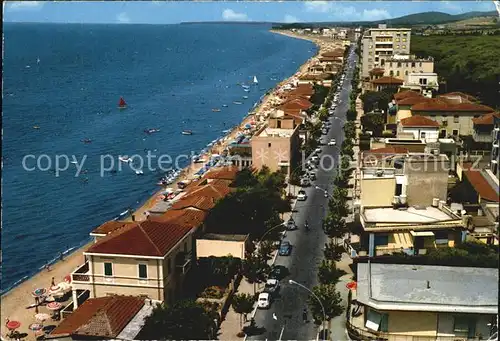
point(312, 175)
point(317, 151)
point(315, 159)
point(264, 301)
point(304, 182)
point(290, 225)
point(332, 142)
point(285, 248)
point(302, 196)
point(272, 286)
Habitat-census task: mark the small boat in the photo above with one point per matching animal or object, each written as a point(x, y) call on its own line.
point(224, 105)
point(246, 90)
point(255, 81)
point(245, 86)
point(237, 102)
point(151, 131)
point(74, 162)
point(87, 141)
point(226, 131)
point(216, 110)
point(139, 172)
point(122, 104)
point(124, 158)
point(36, 127)
point(38, 60)
point(245, 97)
point(187, 132)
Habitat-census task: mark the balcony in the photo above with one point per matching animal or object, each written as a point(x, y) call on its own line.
point(482, 136)
point(183, 262)
point(81, 274)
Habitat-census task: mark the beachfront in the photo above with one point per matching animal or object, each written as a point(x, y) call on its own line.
point(14, 303)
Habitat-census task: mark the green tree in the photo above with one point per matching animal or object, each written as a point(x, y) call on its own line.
point(340, 181)
point(184, 320)
point(333, 251)
point(328, 273)
point(374, 122)
point(255, 269)
point(334, 226)
point(330, 299)
point(376, 100)
point(243, 304)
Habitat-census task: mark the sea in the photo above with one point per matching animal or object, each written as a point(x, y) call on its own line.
point(61, 87)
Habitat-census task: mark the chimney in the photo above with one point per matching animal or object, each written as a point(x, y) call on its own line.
point(428, 285)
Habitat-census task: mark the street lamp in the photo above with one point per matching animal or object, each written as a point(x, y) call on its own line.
point(291, 281)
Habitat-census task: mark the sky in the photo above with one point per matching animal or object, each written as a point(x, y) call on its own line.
point(162, 12)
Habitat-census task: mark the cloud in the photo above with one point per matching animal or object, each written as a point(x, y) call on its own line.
point(318, 6)
point(123, 18)
point(290, 19)
point(25, 5)
point(230, 15)
point(375, 14)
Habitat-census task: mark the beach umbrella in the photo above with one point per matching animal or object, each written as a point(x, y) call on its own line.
point(12, 325)
point(35, 327)
point(67, 278)
point(54, 306)
point(38, 292)
point(42, 317)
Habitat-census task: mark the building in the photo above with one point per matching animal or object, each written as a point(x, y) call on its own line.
point(419, 127)
point(276, 148)
point(222, 245)
point(423, 302)
point(147, 258)
point(385, 82)
point(483, 127)
point(105, 318)
point(495, 147)
point(425, 83)
point(380, 44)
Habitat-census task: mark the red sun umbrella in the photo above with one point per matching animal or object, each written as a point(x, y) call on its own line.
point(351, 285)
point(12, 325)
point(67, 278)
point(54, 306)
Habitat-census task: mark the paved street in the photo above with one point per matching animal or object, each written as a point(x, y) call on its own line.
point(307, 251)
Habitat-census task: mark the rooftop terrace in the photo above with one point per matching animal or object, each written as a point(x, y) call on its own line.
point(410, 215)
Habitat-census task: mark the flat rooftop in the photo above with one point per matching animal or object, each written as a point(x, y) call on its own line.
point(428, 288)
point(411, 215)
point(276, 132)
point(226, 237)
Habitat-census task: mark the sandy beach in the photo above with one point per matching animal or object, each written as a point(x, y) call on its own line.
point(14, 303)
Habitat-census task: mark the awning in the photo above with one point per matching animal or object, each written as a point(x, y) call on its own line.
point(373, 320)
point(422, 233)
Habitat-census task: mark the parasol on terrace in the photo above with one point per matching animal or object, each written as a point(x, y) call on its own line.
point(12, 325)
point(67, 278)
point(42, 317)
point(351, 285)
point(37, 293)
point(35, 327)
point(54, 306)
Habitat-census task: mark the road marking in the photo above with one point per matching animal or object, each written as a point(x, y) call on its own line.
point(281, 334)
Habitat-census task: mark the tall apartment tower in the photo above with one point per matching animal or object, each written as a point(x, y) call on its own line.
point(379, 44)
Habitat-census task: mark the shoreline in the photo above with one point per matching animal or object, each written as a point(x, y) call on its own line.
point(19, 296)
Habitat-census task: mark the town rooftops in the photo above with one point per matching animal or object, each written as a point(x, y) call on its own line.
point(148, 238)
point(407, 216)
point(457, 97)
point(226, 173)
point(443, 105)
point(405, 94)
point(412, 100)
point(487, 119)
point(225, 237)
point(313, 77)
point(486, 190)
point(103, 317)
point(418, 121)
point(276, 132)
point(428, 288)
point(108, 227)
point(203, 197)
point(335, 53)
point(296, 103)
point(388, 80)
point(377, 71)
point(187, 217)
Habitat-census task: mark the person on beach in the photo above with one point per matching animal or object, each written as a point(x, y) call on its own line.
point(47, 267)
point(61, 256)
point(53, 282)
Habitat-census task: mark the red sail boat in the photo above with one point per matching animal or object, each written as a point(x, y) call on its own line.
point(122, 104)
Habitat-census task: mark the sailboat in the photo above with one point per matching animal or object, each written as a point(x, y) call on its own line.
point(255, 81)
point(122, 104)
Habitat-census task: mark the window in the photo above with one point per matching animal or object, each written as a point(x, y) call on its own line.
point(169, 267)
point(399, 189)
point(445, 122)
point(441, 237)
point(399, 63)
point(381, 239)
point(412, 64)
point(143, 271)
point(397, 73)
point(390, 64)
point(404, 39)
point(278, 125)
point(397, 46)
point(391, 73)
point(406, 73)
point(422, 134)
point(269, 145)
point(455, 119)
point(108, 269)
point(397, 39)
point(455, 132)
point(464, 324)
point(442, 133)
point(404, 46)
point(420, 64)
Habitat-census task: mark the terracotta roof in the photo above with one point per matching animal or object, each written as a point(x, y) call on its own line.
point(457, 97)
point(103, 317)
point(203, 198)
point(406, 94)
point(387, 80)
point(377, 71)
point(320, 77)
point(296, 103)
point(188, 217)
point(227, 173)
point(150, 238)
point(418, 121)
point(334, 53)
point(435, 104)
point(110, 226)
point(481, 185)
point(488, 119)
point(412, 100)
point(302, 91)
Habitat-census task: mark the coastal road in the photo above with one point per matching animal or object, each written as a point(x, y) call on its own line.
point(307, 246)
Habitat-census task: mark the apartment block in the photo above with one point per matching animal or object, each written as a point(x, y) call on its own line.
point(380, 44)
point(495, 147)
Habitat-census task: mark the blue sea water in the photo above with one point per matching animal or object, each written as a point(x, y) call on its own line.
point(67, 80)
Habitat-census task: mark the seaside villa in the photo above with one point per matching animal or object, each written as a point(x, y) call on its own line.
point(396, 302)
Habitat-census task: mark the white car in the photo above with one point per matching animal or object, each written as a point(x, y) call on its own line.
point(332, 142)
point(264, 301)
point(302, 196)
point(317, 151)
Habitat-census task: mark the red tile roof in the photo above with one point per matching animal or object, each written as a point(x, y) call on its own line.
point(488, 119)
point(412, 100)
point(103, 317)
point(418, 121)
point(435, 104)
point(146, 238)
point(297, 103)
point(481, 185)
point(334, 53)
point(387, 80)
point(227, 173)
point(457, 97)
point(203, 197)
point(377, 71)
point(188, 217)
point(110, 226)
point(405, 94)
point(313, 77)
